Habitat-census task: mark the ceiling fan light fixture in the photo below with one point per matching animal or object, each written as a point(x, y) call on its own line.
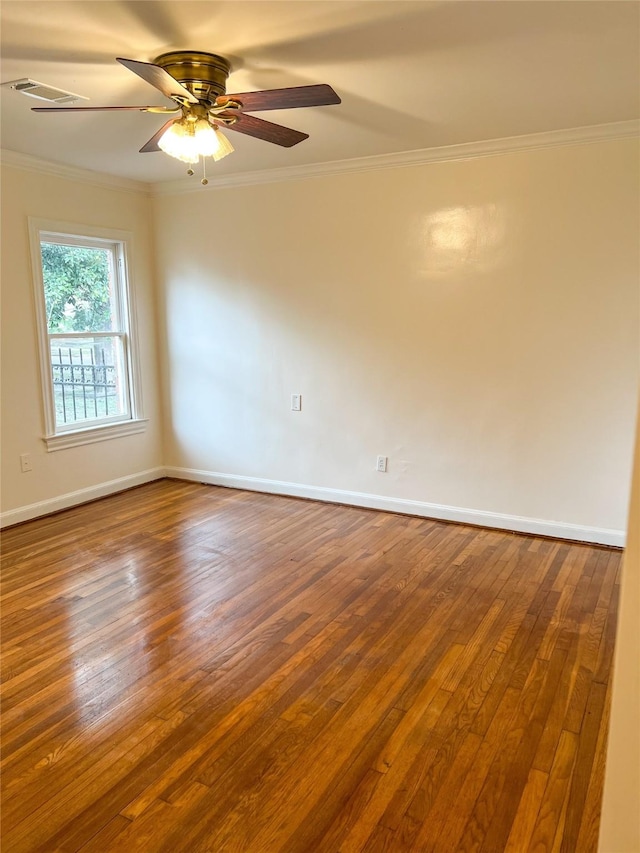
point(188, 140)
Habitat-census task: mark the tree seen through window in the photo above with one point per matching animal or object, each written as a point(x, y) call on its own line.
point(77, 288)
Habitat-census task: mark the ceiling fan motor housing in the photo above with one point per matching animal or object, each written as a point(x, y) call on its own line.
point(203, 74)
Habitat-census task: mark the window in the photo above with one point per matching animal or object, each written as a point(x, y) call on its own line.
point(87, 342)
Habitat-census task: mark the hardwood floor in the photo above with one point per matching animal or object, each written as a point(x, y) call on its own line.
point(188, 668)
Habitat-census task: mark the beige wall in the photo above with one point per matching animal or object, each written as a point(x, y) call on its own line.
point(25, 194)
point(476, 322)
point(620, 823)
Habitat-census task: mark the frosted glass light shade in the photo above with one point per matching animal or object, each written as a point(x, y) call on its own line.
point(205, 136)
point(178, 141)
point(224, 146)
point(188, 141)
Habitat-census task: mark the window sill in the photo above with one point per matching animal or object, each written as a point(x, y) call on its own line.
point(89, 435)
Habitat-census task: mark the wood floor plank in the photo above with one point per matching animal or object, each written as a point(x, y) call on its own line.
point(554, 796)
point(198, 669)
point(585, 758)
point(590, 816)
point(527, 814)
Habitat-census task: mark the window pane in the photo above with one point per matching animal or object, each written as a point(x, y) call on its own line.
point(88, 379)
point(78, 288)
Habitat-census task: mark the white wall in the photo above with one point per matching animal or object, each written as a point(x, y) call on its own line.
point(620, 821)
point(476, 322)
point(65, 472)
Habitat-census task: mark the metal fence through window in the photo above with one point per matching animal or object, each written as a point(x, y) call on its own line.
point(84, 383)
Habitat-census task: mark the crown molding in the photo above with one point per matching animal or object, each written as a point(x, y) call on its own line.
point(28, 163)
point(446, 153)
point(421, 157)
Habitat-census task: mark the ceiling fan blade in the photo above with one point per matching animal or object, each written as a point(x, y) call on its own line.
point(159, 78)
point(261, 129)
point(285, 99)
point(89, 109)
point(152, 144)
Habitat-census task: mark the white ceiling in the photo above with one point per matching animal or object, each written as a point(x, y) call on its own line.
point(411, 75)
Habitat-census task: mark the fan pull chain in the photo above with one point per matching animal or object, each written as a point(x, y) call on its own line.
point(204, 180)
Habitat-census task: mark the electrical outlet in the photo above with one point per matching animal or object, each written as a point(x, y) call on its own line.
point(25, 462)
point(296, 402)
point(381, 464)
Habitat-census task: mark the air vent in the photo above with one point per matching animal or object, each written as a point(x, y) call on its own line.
point(43, 92)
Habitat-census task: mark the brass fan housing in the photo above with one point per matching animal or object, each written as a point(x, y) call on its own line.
point(203, 74)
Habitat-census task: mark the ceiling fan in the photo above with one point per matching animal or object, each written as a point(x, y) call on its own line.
point(196, 82)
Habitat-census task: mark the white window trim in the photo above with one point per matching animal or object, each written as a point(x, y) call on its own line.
point(89, 432)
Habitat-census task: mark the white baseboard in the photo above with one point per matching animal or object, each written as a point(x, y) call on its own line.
point(500, 521)
point(25, 513)
point(519, 524)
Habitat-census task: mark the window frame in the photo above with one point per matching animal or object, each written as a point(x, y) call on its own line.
point(120, 244)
